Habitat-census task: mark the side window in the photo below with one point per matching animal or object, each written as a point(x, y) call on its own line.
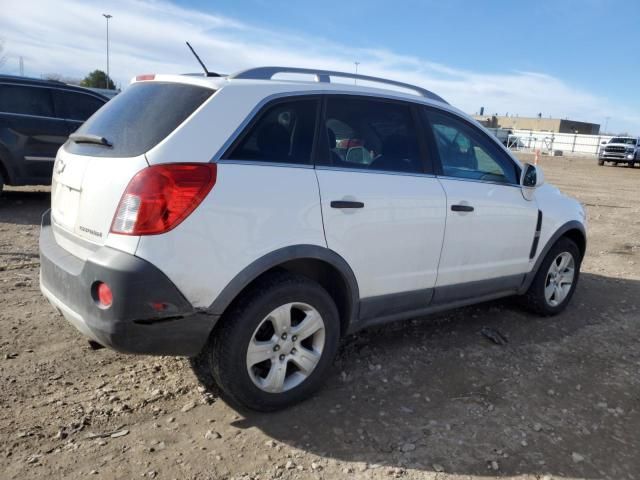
point(283, 134)
point(372, 134)
point(75, 106)
point(26, 100)
point(466, 153)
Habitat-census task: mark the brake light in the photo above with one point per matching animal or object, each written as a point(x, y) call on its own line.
point(146, 76)
point(158, 198)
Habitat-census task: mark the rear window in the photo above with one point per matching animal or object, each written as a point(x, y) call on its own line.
point(139, 118)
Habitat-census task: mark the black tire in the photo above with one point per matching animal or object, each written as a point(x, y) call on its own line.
point(225, 355)
point(1, 183)
point(600, 162)
point(534, 299)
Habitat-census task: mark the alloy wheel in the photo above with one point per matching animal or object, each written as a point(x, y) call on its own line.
point(559, 279)
point(286, 347)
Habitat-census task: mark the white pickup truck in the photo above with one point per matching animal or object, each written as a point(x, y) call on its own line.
point(620, 150)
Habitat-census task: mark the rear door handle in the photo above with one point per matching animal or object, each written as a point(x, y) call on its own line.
point(461, 208)
point(346, 204)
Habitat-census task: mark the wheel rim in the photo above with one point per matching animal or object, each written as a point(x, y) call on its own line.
point(286, 347)
point(559, 279)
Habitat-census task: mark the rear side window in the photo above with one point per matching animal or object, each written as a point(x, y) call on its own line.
point(75, 105)
point(26, 100)
point(137, 119)
point(283, 133)
point(372, 134)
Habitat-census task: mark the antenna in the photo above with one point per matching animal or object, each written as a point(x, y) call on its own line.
point(207, 73)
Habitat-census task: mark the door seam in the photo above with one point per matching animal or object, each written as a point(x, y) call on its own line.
point(444, 235)
point(324, 230)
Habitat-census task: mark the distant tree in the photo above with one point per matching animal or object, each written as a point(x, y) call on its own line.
point(61, 78)
point(98, 79)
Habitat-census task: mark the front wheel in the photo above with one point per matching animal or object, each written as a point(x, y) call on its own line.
point(556, 279)
point(276, 345)
point(600, 162)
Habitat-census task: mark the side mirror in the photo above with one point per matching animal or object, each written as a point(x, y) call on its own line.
point(603, 143)
point(532, 177)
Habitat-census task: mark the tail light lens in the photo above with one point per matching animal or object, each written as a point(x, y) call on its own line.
point(158, 198)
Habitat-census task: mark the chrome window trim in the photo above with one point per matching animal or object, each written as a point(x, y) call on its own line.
point(322, 167)
point(375, 171)
point(488, 182)
point(34, 158)
point(32, 116)
point(263, 163)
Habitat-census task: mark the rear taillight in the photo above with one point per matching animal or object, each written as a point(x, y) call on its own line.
point(158, 198)
point(145, 77)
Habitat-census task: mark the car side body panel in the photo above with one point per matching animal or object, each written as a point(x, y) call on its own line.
point(393, 244)
point(252, 210)
point(493, 240)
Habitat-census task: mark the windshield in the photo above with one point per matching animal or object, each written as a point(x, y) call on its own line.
point(626, 141)
point(137, 119)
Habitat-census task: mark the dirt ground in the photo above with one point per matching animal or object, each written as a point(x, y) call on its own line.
point(428, 398)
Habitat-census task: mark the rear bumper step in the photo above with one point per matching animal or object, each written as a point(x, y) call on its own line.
point(131, 324)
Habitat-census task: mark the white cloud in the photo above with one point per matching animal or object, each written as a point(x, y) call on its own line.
point(68, 37)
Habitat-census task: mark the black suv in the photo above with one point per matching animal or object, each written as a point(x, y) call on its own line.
point(36, 117)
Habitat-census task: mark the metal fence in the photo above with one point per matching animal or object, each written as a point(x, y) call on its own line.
point(553, 143)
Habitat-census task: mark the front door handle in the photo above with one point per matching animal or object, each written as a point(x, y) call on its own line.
point(461, 208)
point(346, 204)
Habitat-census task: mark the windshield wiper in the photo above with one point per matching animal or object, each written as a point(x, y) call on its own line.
point(93, 139)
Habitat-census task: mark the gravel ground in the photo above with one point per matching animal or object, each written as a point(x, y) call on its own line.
point(417, 399)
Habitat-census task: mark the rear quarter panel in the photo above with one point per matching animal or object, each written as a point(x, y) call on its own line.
point(251, 211)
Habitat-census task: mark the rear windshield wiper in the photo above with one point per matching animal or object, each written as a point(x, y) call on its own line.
point(94, 139)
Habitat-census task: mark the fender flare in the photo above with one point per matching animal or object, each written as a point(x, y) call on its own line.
point(280, 256)
point(571, 225)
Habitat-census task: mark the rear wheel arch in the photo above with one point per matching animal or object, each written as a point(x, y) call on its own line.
point(319, 264)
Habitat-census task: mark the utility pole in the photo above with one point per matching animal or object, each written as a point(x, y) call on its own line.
point(606, 124)
point(355, 80)
point(21, 66)
point(106, 81)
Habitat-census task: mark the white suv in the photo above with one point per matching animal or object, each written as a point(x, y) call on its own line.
point(252, 222)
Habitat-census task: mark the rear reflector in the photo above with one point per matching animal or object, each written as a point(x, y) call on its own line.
point(158, 198)
point(105, 295)
point(146, 76)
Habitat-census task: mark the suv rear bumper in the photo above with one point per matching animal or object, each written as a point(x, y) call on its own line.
point(148, 314)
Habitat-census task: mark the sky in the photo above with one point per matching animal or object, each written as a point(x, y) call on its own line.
point(577, 59)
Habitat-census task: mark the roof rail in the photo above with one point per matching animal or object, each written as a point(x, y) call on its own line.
point(267, 73)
